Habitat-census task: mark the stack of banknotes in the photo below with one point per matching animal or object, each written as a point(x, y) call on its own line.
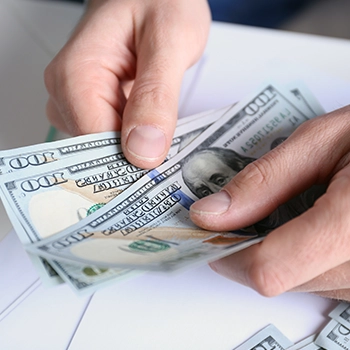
point(335, 335)
point(87, 217)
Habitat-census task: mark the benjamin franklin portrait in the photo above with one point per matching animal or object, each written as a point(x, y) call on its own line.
point(207, 171)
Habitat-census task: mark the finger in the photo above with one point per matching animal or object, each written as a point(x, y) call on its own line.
point(87, 96)
point(301, 161)
point(164, 53)
point(302, 249)
point(85, 80)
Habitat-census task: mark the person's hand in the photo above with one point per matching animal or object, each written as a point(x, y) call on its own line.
point(141, 46)
point(310, 253)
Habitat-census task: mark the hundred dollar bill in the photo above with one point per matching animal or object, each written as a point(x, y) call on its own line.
point(48, 201)
point(334, 336)
point(32, 157)
point(148, 227)
point(269, 338)
point(341, 314)
point(306, 344)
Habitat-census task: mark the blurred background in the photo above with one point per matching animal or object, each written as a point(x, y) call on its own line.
point(320, 17)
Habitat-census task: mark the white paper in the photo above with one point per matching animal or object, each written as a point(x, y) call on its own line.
point(46, 319)
point(195, 310)
point(17, 275)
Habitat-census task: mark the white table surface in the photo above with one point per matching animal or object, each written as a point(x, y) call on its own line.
point(237, 59)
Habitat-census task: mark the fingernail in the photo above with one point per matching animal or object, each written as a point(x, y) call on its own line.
point(146, 142)
point(217, 203)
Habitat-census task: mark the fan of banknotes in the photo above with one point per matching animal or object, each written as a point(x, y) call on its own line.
point(88, 217)
point(335, 335)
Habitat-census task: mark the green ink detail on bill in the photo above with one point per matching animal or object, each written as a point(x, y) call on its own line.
point(89, 271)
point(94, 208)
point(149, 246)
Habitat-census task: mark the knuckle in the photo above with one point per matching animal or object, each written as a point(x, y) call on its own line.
point(309, 124)
point(267, 280)
point(55, 76)
point(256, 173)
point(152, 95)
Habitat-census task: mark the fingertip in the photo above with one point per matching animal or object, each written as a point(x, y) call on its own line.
point(146, 146)
point(215, 212)
point(215, 204)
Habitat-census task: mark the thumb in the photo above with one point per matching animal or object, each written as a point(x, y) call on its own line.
point(150, 115)
point(273, 179)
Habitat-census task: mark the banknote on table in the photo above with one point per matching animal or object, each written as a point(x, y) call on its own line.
point(104, 173)
point(341, 314)
point(334, 336)
point(306, 344)
point(149, 228)
point(269, 338)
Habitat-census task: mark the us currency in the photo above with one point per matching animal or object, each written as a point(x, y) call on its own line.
point(306, 344)
point(149, 226)
point(32, 157)
point(334, 336)
point(268, 338)
point(341, 314)
point(34, 190)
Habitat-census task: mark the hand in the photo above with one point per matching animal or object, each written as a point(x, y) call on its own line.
point(310, 253)
point(127, 45)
